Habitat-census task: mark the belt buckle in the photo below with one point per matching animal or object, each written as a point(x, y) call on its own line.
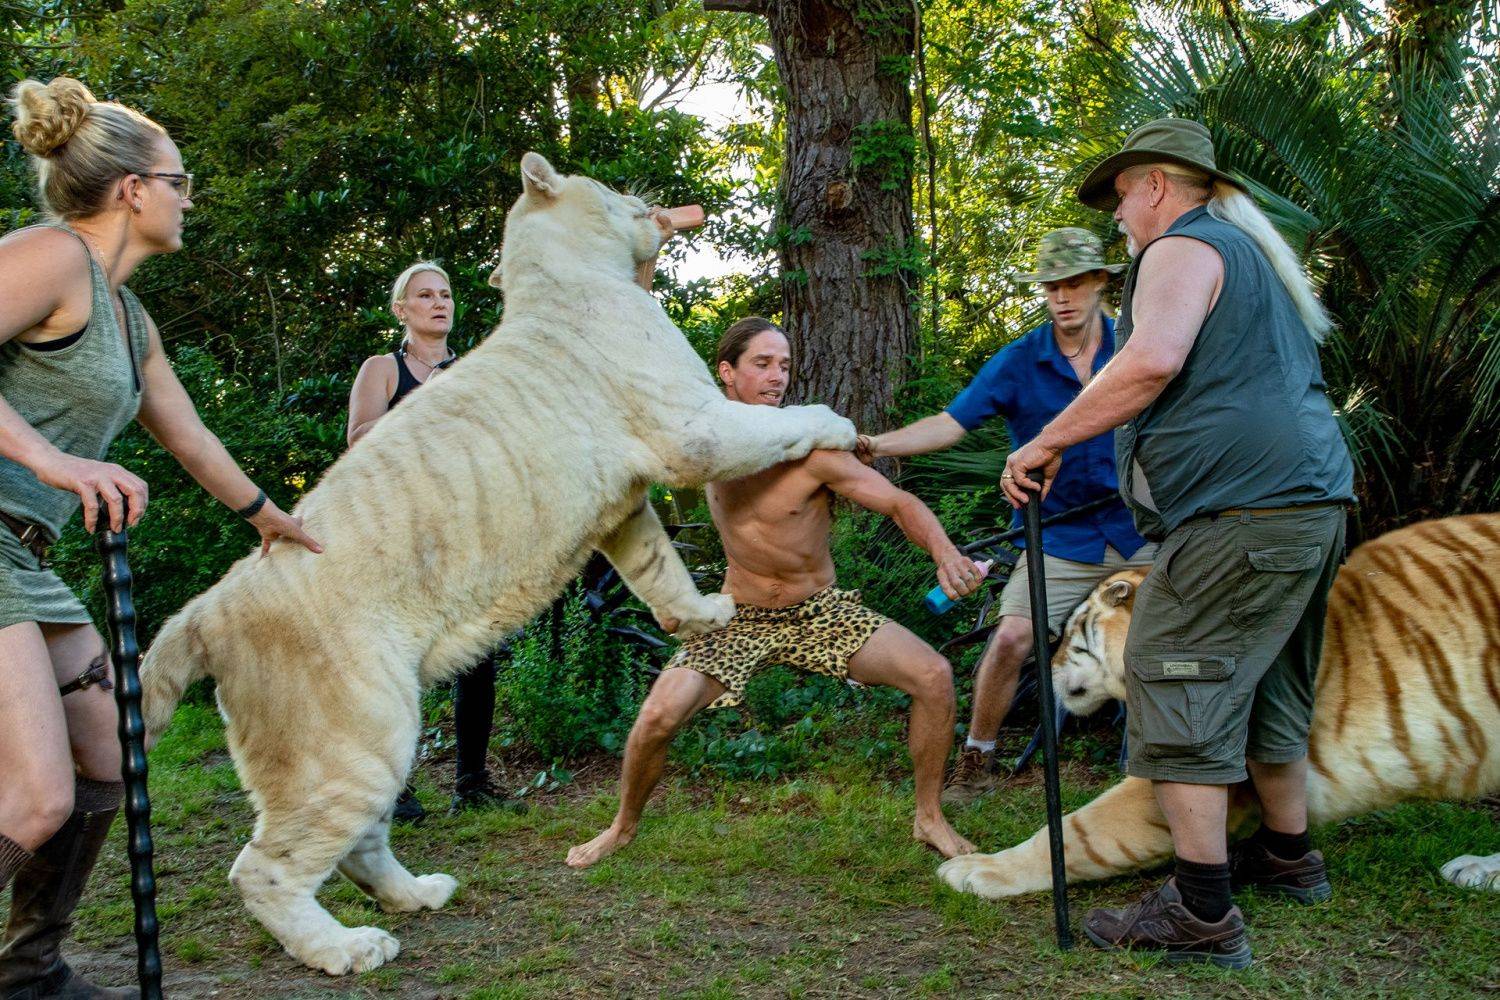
point(32, 538)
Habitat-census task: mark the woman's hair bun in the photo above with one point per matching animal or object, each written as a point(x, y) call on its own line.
point(47, 114)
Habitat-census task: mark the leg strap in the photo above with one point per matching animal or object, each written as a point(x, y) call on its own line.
point(97, 672)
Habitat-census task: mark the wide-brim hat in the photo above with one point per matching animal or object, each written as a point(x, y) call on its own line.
point(1066, 253)
point(1166, 140)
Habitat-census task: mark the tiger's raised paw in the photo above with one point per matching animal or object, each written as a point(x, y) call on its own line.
point(707, 613)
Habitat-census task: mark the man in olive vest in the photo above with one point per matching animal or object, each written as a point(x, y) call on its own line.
point(1228, 453)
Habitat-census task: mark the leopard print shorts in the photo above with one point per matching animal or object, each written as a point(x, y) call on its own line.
point(818, 636)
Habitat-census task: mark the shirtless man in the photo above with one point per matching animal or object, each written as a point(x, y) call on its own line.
point(775, 527)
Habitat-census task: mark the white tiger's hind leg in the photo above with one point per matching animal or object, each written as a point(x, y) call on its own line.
point(371, 866)
point(321, 781)
point(278, 874)
point(1473, 871)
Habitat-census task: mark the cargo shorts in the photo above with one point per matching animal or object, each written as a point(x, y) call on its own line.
point(1224, 643)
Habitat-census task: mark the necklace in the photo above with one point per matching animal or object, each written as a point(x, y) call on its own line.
point(1083, 346)
point(431, 367)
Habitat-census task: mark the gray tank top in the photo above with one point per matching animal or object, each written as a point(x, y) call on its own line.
point(1247, 421)
point(79, 397)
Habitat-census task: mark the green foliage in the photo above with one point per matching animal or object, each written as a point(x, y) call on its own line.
point(882, 151)
point(186, 541)
point(907, 261)
point(581, 703)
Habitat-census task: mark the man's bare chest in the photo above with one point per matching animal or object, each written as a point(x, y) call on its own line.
point(781, 495)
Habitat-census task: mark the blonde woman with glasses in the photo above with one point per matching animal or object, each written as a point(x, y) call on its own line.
point(79, 359)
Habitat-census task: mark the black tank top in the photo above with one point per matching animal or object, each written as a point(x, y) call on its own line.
point(406, 381)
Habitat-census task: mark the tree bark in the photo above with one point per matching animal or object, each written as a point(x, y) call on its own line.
point(845, 223)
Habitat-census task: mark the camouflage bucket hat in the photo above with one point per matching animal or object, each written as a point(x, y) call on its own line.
point(1065, 253)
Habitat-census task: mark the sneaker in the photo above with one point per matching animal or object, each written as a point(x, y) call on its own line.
point(478, 793)
point(1160, 922)
point(1304, 879)
point(971, 777)
point(408, 809)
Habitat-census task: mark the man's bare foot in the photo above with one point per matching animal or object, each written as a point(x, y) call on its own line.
point(603, 846)
point(938, 835)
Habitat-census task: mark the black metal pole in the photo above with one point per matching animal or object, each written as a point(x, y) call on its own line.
point(126, 655)
point(1037, 580)
point(1014, 533)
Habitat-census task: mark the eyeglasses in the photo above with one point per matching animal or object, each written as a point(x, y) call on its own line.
point(181, 183)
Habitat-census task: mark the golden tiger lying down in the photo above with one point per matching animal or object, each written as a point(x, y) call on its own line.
point(1408, 705)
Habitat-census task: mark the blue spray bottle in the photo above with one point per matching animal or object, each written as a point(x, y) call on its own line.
point(940, 603)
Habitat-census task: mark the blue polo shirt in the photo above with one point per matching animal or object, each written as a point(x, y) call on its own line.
point(1028, 383)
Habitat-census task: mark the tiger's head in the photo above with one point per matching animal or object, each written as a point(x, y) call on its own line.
point(1088, 668)
point(564, 222)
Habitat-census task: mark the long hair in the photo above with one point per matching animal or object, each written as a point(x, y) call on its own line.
point(1228, 203)
point(735, 339)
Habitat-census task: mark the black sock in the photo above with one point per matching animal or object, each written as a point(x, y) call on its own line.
point(1286, 846)
point(1205, 889)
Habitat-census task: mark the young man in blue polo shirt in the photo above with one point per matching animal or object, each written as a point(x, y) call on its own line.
point(1028, 383)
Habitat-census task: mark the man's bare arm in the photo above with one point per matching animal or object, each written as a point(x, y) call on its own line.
point(841, 472)
point(932, 433)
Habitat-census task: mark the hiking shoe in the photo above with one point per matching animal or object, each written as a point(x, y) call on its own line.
point(1304, 879)
point(478, 793)
point(971, 777)
point(408, 809)
point(1160, 922)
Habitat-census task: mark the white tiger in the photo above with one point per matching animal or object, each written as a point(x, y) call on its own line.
point(461, 514)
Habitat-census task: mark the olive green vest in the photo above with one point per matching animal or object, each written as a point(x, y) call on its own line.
point(79, 397)
point(1247, 421)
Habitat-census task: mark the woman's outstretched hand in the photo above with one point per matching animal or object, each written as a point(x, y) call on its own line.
point(272, 522)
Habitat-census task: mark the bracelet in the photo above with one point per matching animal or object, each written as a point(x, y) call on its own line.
point(253, 507)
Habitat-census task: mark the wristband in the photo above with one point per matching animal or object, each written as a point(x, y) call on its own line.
point(253, 507)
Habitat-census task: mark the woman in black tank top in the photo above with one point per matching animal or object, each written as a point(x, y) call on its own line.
point(422, 299)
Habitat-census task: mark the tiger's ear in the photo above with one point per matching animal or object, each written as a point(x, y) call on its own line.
point(538, 178)
point(1118, 593)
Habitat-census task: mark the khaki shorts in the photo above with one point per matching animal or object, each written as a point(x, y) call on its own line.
point(1225, 638)
point(1068, 582)
point(817, 635)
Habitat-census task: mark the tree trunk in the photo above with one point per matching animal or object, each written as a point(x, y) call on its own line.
point(845, 238)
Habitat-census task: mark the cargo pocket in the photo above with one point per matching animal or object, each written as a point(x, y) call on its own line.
point(1271, 584)
point(1185, 699)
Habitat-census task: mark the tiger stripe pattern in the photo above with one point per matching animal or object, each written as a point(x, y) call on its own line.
point(1407, 706)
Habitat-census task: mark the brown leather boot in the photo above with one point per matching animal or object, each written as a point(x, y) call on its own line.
point(971, 777)
point(12, 858)
point(1304, 879)
point(43, 896)
point(1160, 922)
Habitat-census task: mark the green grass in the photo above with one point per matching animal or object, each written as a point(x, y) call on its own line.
point(807, 886)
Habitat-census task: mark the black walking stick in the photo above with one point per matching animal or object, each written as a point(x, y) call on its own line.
point(1038, 582)
point(126, 656)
